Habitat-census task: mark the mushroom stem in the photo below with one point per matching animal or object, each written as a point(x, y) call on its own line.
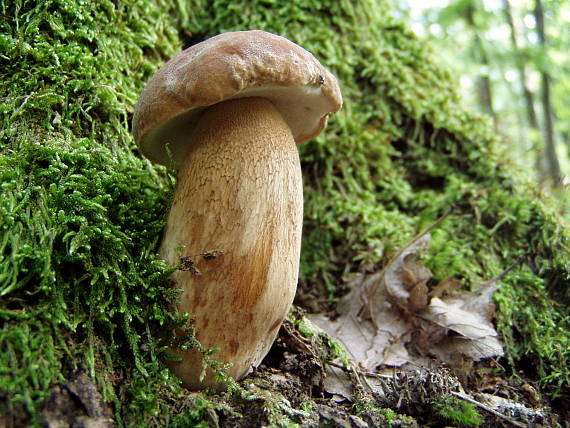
point(240, 192)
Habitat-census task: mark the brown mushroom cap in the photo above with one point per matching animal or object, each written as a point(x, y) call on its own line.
point(232, 65)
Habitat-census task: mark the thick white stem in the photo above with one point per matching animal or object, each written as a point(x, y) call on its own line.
point(239, 192)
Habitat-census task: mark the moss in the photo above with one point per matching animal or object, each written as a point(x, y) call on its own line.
point(195, 417)
point(81, 212)
point(452, 410)
point(368, 410)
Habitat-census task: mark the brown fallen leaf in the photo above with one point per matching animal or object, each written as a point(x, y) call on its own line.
point(452, 316)
point(371, 325)
point(444, 287)
point(390, 318)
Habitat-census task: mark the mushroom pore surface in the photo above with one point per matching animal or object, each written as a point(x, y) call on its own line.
point(239, 192)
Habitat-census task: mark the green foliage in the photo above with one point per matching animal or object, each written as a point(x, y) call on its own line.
point(482, 47)
point(365, 407)
point(81, 212)
point(457, 412)
point(193, 418)
point(329, 349)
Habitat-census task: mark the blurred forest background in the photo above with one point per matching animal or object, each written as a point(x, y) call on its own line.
point(513, 57)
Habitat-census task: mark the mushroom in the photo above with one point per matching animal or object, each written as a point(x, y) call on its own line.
point(228, 113)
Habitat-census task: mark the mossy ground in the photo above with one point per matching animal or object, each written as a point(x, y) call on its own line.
point(456, 412)
point(81, 211)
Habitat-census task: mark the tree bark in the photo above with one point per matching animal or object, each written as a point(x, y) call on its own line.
point(484, 84)
point(521, 66)
point(548, 113)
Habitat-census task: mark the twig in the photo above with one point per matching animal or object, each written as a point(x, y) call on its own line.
point(430, 227)
point(504, 273)
point(488, 409)
point(357, 372)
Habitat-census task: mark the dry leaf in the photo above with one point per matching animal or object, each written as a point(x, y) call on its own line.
point(399, 270)
point(450, 315)
point(371, 326)
point(387, 315)
point(338, 383)
point(445, 286)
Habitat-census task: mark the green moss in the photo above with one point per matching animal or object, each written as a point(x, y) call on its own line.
point(329, 350)
point(365, 407)
point(194, 417)
point(81, 212)
point(452, 410)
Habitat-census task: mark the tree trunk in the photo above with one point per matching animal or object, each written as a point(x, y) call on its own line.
point(550, 148)
point(532, 119)
point(484, 84)
point(566, 138)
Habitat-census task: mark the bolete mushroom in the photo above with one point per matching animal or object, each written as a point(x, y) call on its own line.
point(228, 113)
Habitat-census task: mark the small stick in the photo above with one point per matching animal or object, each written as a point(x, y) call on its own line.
point(457, 394)
point(488, 409)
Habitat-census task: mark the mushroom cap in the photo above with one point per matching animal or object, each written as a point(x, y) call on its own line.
point(232, 65)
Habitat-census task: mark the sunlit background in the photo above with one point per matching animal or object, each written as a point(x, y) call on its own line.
point(513, 69)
